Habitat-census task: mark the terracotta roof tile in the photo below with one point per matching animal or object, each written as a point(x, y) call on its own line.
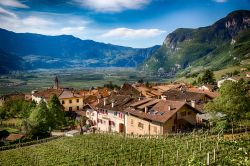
point(121, 102)
point(46, 94)
point(160, 112)
point(68, 94)
point(13, 137)
point(128, 89)
point(182, 95)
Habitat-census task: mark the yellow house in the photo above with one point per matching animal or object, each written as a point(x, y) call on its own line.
point(159, 116)
point(71, 101)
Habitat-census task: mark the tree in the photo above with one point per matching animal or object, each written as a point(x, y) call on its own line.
point(233, 102)
point(2, 114)
point(57, 117)
point(208, 77)
point(39, 120)
point(17, 108)
point(27, 108)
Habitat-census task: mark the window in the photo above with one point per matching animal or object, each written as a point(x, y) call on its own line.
point(77, 107)
point(77, 100)
point(120, 115)
point(99, 121)
point(70, 108)
point(140, 125)
point(115, 113)
point(63, 102)
point(183, 113)
point(132, 122)
point(87, 113)
point(189, 112)
point(70, 101)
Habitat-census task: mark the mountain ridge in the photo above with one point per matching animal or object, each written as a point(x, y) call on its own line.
point(187, 47)
point(42, 51)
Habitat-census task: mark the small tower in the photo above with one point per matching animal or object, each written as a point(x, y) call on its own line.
point(56, 83)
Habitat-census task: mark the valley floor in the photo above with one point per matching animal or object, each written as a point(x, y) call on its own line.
point(74, 78)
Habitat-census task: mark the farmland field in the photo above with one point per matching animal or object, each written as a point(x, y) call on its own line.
point(112, 149)
point(75, 78)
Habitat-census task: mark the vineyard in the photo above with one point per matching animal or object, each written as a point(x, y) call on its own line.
point(113, 149)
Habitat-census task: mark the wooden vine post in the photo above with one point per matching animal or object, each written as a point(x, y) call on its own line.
point(162, 157)
point(208, 160)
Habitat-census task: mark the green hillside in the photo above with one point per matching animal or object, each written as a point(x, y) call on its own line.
point(225, 43)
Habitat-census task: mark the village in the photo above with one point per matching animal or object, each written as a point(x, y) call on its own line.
point(132, 109)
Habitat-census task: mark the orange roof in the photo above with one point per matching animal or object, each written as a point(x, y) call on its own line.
point(207, 92)
point(48, 93)
point(13, 137)
point(68, 94)
point(91, 100)
point(121, 102)
point(160, 111)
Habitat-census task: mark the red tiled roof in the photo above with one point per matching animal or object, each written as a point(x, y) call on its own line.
point(121, 102)
point(68, 94)
point(182, 95)
point(207, 92)
point(160, 112)
point(48, 93)
point(128, 89)
point(13, 137)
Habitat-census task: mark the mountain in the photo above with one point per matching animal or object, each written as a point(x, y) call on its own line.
point(222, 44)
point(9, 62)
point(40, 51)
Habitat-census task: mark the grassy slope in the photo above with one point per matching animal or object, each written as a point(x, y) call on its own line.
point(207, 47)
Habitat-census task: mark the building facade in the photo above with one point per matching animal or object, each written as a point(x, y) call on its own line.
point(71, 101)
point(157, 117)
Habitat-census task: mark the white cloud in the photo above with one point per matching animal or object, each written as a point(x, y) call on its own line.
point(47, 24)
point(133, 33)
point(71, 30)
point(112, 5)
point(36, 21)
point(7, 13)
point(13, 3)
point(220, 1)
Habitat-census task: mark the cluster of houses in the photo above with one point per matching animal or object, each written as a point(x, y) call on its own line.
point(136, 108)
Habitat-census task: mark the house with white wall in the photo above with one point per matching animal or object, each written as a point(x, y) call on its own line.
point(110, 113)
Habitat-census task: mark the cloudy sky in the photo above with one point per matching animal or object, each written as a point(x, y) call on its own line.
point(135, 23)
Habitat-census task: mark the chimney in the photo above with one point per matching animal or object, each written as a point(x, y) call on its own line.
point(146, 109)
point(105, 101)
point(169, 107)
point(164, 97)
point(193, 103)
point(98, 100)
point(113, 104)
